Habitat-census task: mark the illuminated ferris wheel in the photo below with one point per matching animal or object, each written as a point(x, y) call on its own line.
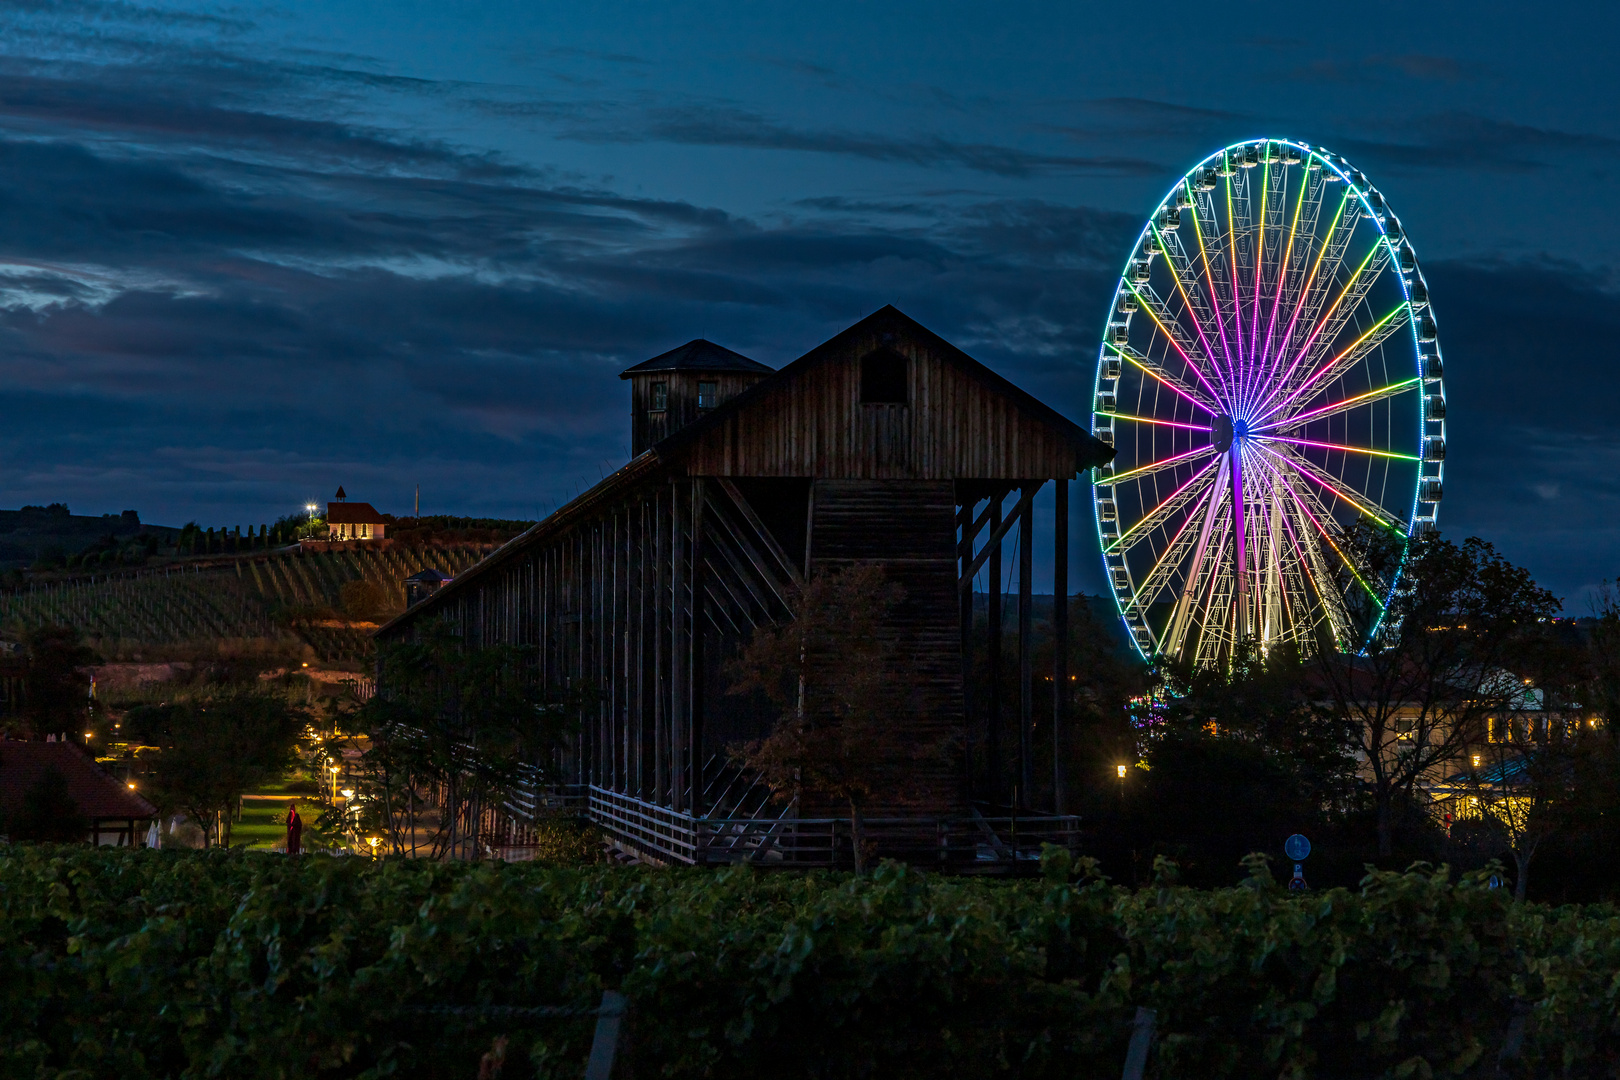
point(1270, 377)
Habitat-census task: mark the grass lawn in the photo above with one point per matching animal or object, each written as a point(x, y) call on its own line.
point(264, 813)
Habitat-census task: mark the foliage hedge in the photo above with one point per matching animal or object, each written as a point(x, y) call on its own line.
point(154, 964)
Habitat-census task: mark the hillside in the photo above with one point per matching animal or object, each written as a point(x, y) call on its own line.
point(47, 533)
point(274, 602)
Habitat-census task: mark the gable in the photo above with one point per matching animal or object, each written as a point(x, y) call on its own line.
point(840, 412)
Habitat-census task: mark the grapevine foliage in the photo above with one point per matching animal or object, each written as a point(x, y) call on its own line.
point(165, 964)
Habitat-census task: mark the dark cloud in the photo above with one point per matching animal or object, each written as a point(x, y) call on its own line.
point(1118, 117)
point(709, 125)
point(1465, 141)
point(1419, 66)
point(1534, 459)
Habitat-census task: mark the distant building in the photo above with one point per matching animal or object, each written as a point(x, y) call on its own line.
point(353, 520)
point(423, 584)
point(117, 816)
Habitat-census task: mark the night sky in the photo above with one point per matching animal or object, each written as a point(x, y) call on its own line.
point(250, 252)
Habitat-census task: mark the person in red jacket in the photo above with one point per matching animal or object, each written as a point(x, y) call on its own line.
point(295, 829)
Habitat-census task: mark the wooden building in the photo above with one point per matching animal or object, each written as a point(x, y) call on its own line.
point(884, 445)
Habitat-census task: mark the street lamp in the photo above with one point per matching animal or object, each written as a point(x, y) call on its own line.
point(1122, 772)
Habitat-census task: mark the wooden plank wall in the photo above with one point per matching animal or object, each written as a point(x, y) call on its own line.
point(811, 423)
point(647, 426)
point(909, 529)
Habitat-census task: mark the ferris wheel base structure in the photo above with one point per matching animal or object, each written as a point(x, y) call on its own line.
point(1271, 379)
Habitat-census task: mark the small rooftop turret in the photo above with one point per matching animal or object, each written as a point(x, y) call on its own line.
point(673, 389)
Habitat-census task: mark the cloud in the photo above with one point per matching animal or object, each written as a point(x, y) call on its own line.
point(1420, 66)
point(1459, 140)
point(714, 125)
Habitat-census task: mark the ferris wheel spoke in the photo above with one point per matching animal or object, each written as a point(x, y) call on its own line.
point(1163, 512)
point(1327, 329)
point(1329, 255)
point(1349, 565)
point(1286, 268)
point(1151, 420)
point(1333, 486)
point(1152, 368)
point(1315, 564)
point(1337, 407)
point(1197, 307)
point(1159, 466)
point(1171, 328)
point(1339, 446)
point(1238, 229)
point(1353, 354)
point(1193, 586)
point(1159, 577)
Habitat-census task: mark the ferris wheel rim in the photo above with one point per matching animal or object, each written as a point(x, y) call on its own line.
point(1242, 401)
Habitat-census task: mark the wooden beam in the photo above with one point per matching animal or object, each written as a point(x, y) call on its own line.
point(964, 553)
point(695, 653)
point(992, 626)
point(997, 532)
point(765, 536)
point(680, 606)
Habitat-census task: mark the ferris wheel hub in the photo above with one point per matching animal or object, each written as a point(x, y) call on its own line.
point(1222, 432)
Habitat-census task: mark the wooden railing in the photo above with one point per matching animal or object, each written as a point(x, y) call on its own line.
point(965, 844)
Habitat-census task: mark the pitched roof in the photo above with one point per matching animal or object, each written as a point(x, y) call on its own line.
point(891, 318)
point(97, 794)
point(348, 513)
point(698, 355)
point(430, 574)
point(652, 461)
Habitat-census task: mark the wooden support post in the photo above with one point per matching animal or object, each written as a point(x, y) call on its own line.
point(605, 1044)
point(964, 556)
point(679, 645)
point(1026, 671)
point(992, 739)
point(694, 685)
point(1060, 649)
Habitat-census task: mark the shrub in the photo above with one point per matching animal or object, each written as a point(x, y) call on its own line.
point(146, 964)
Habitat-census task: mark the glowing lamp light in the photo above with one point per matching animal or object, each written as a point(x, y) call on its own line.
point(337, 768)
point(1122, 772)
point(132, 785)
point(1476, 761)
point(348, 793)
point(89, 734)
point(374, 841)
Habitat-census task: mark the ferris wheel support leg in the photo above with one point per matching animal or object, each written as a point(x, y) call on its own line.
point(1239, 542)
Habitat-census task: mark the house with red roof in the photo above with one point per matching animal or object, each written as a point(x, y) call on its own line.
point(116, 814)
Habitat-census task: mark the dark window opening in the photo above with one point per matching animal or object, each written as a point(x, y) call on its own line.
point(707, 393)
point(660, 396)
point(883, 378)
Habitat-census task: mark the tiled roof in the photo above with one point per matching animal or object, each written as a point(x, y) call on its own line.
point(352, 513)
point(698, 355)
point(98, 794)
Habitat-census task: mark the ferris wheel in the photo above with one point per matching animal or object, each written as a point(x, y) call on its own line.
point(1270, 379)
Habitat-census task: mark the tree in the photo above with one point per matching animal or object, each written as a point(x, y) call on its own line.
point(464, 723)
point(56, 697)
point(1440, 661)
point(217, 748)
point(833, 675)
point(46, 813)
point(1238, 759)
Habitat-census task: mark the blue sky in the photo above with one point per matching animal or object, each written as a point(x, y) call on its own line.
point(251, 251)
